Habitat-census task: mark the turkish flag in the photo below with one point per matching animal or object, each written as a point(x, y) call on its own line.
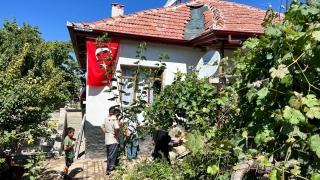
point(101, 61)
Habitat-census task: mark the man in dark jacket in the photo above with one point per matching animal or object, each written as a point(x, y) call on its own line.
point(160, 140)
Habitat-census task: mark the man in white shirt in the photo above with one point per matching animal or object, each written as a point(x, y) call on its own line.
point(110, 127)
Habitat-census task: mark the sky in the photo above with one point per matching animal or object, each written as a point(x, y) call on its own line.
point(51, 16)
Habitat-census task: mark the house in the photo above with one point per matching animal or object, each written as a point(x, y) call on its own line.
point(185, 31)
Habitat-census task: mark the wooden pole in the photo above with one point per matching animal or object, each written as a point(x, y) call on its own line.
point(219, 107)
point(218, 87)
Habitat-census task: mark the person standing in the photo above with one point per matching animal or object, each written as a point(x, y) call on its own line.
point(68, 144)
point(110, 127)
point(131, 137)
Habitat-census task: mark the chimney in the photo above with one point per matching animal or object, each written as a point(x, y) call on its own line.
point(116, 9)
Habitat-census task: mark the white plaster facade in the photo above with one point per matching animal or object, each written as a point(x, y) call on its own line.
point(97, 103)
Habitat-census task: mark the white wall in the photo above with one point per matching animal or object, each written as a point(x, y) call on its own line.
point(97, 103)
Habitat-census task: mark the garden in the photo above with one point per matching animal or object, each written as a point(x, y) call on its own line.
point(268, 126)
point(269, 113)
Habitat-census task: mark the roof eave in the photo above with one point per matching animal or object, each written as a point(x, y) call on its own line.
point(75, 47)
point(223, 34)
point(156, 39)
point(241, 34)
point(94, 33)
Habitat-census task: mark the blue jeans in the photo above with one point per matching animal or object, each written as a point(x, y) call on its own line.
point(132, 145)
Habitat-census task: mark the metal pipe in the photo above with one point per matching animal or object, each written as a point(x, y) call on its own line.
point(230, 41)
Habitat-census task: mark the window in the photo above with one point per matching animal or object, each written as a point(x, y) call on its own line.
point(142, 86)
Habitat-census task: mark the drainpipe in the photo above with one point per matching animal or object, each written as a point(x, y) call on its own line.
point(230, 41)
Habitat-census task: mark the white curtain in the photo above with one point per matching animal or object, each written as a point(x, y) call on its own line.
point(126, 72)
point(151, 91)
point(143, 80)
point(127, 90)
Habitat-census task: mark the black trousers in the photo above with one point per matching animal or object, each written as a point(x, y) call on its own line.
point(161, 148)
point(112, 154)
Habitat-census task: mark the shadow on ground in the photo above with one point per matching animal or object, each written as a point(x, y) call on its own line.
point(75, 171)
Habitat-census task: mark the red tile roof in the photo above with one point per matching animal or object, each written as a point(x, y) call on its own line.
point(170, 22)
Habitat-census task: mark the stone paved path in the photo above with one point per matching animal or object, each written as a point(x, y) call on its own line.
point(82, 169)
point(94, 169)
point(87, 169)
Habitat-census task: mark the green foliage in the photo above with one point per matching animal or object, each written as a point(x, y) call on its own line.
point(213, 169)
point(271, 114)
point(274, 175)
point(280, 101)
point(36, 78)
point(34, 166)
point(315, 176)
point(3, 165)
point(193, 103)
point(152, 170)
point(274, 105)
point(195, 142)
point(186, 100)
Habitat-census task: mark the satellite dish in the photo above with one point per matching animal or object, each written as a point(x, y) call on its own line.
point(208, 64)
point(169, 3)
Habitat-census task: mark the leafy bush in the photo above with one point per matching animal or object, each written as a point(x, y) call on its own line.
point(36, 78)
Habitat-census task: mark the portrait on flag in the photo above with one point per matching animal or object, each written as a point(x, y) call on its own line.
point(101, 60)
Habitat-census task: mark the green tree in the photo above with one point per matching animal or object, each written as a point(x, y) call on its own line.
point(36, 78)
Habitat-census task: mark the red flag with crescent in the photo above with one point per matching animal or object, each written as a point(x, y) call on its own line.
point(98, 64)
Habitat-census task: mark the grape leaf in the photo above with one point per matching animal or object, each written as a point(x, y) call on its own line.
point(290, 140)
point(235, 167)
point(195, 142)
point(263, 161)
point(213, 169)
point(252, 152)
point(280, 72)
point(315, 144)
point(316, 35)
point(262, 93)
point(269, 56)
point(287, 80)
point(251, 93)
point(296, 170)
point(274, 175)
point(295, 102)
point(271, 31)
point(245, 134)
point(314, 112)
point(315, 176)
point(310, 100)
point(250, 43)
point(296, 131)
point(294, 116)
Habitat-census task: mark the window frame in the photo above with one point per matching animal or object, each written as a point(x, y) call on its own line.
point(134, 86)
